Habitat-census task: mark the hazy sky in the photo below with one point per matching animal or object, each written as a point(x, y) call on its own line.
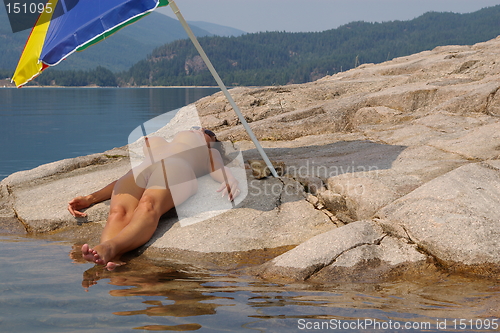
point(313, 15)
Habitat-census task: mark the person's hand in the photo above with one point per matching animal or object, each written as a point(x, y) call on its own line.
point(230, 188)
point(77, 204)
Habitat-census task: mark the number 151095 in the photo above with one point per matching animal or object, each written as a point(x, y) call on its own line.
point(477, 324)
point(28, 8)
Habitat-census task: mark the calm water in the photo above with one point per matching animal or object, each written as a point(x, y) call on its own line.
point(44, 125)
point(45, 287)
point(42, 289)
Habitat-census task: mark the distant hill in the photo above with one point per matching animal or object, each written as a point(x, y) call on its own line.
point(280, 58)
point(127, 47)
point(217, 30)
point(11, 45)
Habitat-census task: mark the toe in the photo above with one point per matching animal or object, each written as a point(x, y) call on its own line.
point(110, 266)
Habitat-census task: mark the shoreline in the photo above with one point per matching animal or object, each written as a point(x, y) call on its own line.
point(96, 87)
point(390, 178)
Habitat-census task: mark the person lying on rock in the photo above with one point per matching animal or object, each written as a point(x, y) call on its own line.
point(166, 177)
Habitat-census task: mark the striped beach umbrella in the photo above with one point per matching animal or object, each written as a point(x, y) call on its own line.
point(66, 26)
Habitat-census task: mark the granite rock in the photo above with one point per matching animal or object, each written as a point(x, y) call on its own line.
point(391, 170)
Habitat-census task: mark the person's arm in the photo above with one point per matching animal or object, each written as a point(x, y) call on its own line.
point(82, 202)
point(223, 175)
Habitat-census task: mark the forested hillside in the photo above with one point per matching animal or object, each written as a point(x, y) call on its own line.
point(126, 48)
point(280, 58)
point(277, 58)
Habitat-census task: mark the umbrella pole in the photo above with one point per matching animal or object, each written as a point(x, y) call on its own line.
point(217, 78)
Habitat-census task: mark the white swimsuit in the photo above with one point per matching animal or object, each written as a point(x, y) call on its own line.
point(184, 159)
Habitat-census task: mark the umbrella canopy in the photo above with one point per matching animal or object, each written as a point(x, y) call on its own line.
point(60, 32)
point(73, 25)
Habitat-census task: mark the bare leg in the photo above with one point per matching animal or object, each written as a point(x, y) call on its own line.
point(87, 253)
point(154, 202)
point(124, 201)
point(142, 226)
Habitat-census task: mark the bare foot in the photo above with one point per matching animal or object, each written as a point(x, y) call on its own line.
point(115, 262)
point(110, 266)
point(87, 253)
point(97, 255)
point(102, 254)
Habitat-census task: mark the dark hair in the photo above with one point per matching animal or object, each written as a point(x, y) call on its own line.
point(220, 147)
point(211, 134)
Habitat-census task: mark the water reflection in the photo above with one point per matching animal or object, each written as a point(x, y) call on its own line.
point(182, 295)
point(198, 300)
point(41, 291)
